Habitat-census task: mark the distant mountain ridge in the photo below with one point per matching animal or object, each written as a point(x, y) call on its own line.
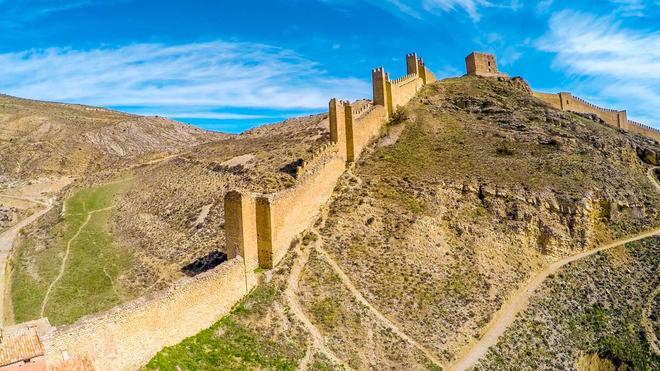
point(44, 138)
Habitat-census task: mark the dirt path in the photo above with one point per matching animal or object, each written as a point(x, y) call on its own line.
point(33, 194)
point(66, 256)
point(519, 301)
point(7, 238)
point(291, 294)
point(40, 200)
point(395, 327)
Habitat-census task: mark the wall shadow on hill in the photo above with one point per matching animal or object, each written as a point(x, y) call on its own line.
point(204, 263)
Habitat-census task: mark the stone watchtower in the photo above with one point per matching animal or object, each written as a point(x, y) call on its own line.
point(482, 64)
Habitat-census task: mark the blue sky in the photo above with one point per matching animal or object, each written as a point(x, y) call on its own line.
point(232, 65)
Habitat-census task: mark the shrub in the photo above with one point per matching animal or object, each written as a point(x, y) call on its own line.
point(399, 116)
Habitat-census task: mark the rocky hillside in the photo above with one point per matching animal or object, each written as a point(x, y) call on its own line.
point(152, 223)
point(173, 216)
point(45, 139)
point(484, 185)
point(474, 186)
point(591, 312)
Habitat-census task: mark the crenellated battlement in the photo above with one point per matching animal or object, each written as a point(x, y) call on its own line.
point(260, 228)
point(405, 79)
point(643, 127)
point(361, 109)
point(619, 119)
point(485, 65)
point(319, 157)
point(593, 105)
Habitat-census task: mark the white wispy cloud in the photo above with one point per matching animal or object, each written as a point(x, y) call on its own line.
point(614, 64)
point(421, 8)
point(630, 8)
point(197, 76)
point(14, 14)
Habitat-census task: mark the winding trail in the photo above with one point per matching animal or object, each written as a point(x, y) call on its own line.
point(291, 294)
point(35, 200)
point(520, 300)
point(66, 256)
point(7, 237)
point(391, 324)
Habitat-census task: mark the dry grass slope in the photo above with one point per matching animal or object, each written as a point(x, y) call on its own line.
point(474, 187)
point(590, 307)
point(43, 138)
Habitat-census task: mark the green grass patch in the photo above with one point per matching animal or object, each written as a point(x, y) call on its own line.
point(232, 343)
point(227, 345)
point(89, 283)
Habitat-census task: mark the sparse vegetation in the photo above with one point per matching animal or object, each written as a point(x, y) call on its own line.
point(434, 229)
point(242, 340)
point(437, 229)
point(228, 345)
point(399, 116)
point(461, 226)
point(350, 329)
point(591, 307)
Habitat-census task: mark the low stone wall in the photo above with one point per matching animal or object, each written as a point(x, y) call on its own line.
point(551, 99)
point(429, 77)
point(639, 128)
point(259, 230)
point(128, 336)
point(281, 217)
point(575, 104)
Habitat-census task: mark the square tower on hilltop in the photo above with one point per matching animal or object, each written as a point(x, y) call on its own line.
point(482, 64)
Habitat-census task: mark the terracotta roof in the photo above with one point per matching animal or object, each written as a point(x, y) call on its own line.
point(20, 348)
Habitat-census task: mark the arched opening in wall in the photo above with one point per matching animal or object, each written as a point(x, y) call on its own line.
point(205, 263)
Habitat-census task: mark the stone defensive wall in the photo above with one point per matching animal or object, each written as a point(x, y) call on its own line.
point(128, 336)
point(639, 128)
point(618, 119)
point(259, 229)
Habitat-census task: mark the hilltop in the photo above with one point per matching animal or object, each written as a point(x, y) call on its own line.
point(474, 185)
